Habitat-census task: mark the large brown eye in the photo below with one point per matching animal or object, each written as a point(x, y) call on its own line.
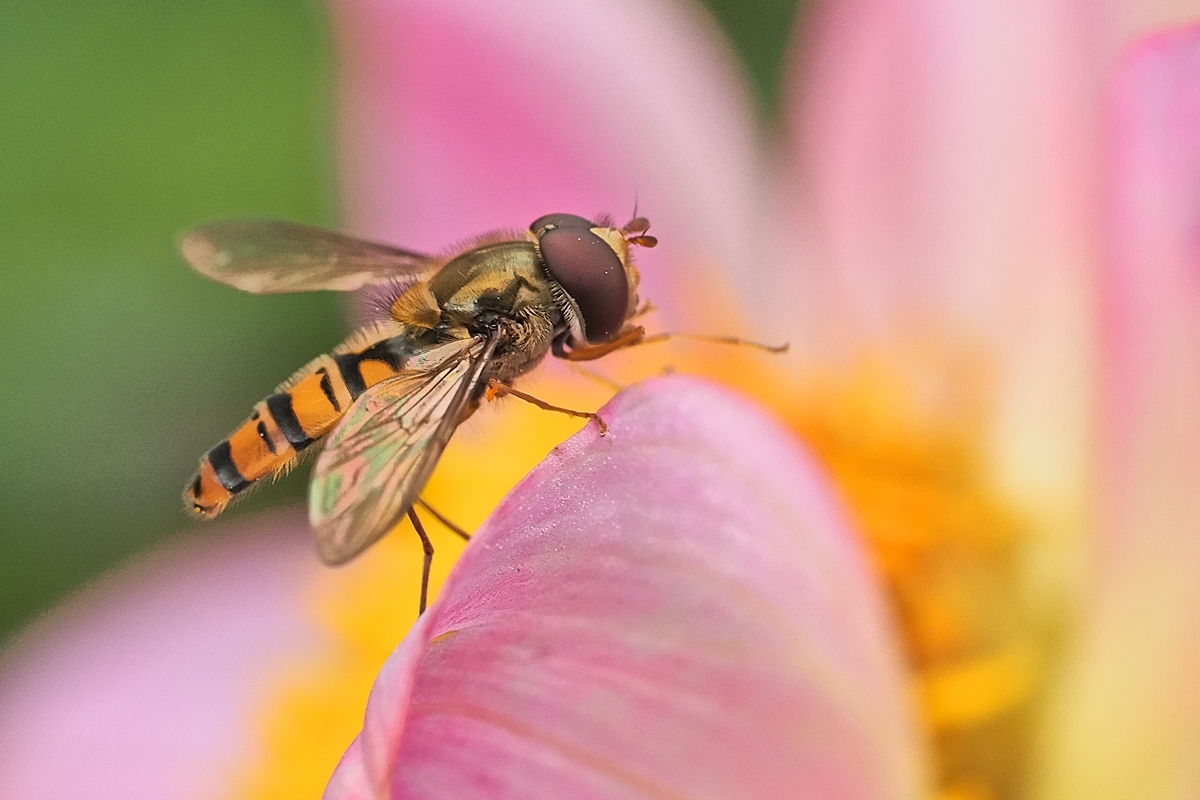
point(559, 221)
point(592, 275)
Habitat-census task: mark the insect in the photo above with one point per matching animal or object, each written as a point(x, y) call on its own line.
point(383, 404)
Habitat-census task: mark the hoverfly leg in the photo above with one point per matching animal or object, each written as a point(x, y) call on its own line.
point(427, 546)
point(442, 519)
point(590, 352)
point(697, 337)
point(498, 389)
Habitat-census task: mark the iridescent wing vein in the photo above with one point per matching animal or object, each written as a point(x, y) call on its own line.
point(378, 458)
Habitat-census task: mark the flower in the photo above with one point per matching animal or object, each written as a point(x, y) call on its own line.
point(674, 609)
point(937, 232)
point(933, 239)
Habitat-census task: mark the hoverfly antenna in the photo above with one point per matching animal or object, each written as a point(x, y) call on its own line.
point(635, 230)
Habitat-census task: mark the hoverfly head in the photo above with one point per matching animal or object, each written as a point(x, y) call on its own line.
point(590, 264)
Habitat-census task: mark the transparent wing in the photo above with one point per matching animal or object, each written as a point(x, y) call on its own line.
point(378, 458)
point(270, 257)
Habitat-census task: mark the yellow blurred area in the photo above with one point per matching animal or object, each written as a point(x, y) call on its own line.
point(963, 694)
point(903, 432)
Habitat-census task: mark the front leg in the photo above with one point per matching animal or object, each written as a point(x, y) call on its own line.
point(629, 337)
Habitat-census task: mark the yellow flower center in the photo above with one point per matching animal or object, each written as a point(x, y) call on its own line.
point(903, 436)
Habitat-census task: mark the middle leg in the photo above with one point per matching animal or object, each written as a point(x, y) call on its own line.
point(498, 389)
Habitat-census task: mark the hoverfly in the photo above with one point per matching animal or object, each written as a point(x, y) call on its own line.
point(384, 403)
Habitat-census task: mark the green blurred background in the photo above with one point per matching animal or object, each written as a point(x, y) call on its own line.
point(121, 125)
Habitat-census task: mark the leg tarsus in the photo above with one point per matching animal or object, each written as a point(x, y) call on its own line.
point(699, 337)
point(428, 548)
point(634, 336)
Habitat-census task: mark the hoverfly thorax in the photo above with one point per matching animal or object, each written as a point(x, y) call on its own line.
point(593, 280)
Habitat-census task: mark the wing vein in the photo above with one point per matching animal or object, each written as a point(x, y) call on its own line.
point(382, 452)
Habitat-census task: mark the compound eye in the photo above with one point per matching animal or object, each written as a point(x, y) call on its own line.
point(559, 221)
point(590, 272)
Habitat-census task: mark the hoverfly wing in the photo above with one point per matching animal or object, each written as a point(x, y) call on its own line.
point(378, 458)
point(272, 257)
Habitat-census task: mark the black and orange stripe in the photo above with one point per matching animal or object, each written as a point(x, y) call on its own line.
point(300, 412)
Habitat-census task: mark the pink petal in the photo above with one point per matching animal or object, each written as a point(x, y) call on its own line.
point(460, 118)
point(945, 188)
point(950, 149)
point(676, 609)
point(351, 781)
point(1129, 726)
point(145, 684)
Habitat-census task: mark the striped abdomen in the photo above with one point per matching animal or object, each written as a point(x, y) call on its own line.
point(300, 412)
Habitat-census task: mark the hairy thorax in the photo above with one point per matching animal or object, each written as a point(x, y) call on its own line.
point(500, 285)
point(526, 344)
